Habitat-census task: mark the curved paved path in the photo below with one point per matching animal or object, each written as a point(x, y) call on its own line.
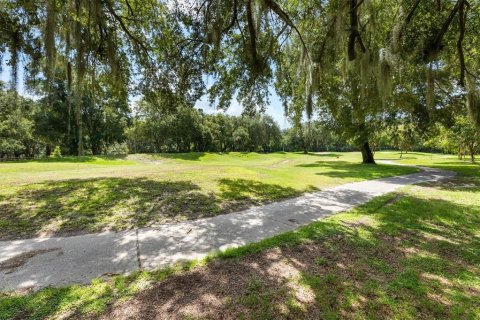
point(40, 262)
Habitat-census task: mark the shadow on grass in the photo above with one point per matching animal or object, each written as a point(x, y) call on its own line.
point(237, 189)
point(79, 206)
point(321, 155)
point(394, 259)
point(72, 159)
point(344, 169)
point(422, 261)
point(88, 205)
point(191, 156)
point(195, 156)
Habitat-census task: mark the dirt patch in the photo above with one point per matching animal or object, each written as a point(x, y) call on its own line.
point(19, 260)
point(280, 283)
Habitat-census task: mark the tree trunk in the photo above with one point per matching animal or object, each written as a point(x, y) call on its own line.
point(78, 119)
point(401, 154)
point(367, 154)
point(472, 153)
point(96, 150)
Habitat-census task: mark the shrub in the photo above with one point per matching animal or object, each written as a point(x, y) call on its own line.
point(117, 149)
point(57, 152)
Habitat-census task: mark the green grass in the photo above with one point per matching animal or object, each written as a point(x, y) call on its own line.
point(71, 195)
point(409, 255)
point(443, 161)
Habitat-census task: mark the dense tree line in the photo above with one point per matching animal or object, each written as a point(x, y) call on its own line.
point(32, 127)
point(189, 129)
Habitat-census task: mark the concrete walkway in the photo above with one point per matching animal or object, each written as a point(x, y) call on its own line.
point(40, 262)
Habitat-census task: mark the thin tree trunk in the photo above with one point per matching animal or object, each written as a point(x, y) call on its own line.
point(367, 154)
point(472, 153)
point(78, 118)
point(80, 67)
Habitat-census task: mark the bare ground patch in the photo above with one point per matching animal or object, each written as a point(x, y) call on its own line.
point(284, 283)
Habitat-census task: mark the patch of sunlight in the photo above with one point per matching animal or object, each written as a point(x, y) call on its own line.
point(433, 236)
point(437, 278)
point(410, 251)
point(439, 298)
point(51, 227)
point(428, 255)
point(303, 295)
point(355, 300)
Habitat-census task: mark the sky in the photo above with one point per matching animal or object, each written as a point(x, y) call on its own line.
point(274, 109)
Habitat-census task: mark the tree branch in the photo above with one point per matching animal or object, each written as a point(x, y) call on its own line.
point(435, 45)
point(354, 33)
point(284, 16)
point(234, 17)
point(461, 36)
point(253, 33)
point(124, 28)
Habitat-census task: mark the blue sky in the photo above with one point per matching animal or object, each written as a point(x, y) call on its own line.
point(274, 109)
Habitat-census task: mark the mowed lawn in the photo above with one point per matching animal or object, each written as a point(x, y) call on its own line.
point(412, 254)
point(71, 195)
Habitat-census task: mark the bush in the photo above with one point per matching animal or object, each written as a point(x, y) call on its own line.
point(117, 149)
point(57, 152)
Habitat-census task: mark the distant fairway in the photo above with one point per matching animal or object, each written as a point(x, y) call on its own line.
point(72, 195)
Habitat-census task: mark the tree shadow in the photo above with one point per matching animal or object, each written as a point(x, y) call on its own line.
point(72, 159)
point(188, 156)
point(321, 155)
point(453, 164)
point(347, 170)
point(399, 259)
point(321, 164)
point(238, 189)
point(413, 262)
point(406, 268)
point(78, 206)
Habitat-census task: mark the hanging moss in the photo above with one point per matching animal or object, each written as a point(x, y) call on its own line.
point(49, 38)
point(473, 101)
point(365, 69)
point(397, 30)
point(384, 74)
point(14, 55)
point(316, 77)
point(430, 88)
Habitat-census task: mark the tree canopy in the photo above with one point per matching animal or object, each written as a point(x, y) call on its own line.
point(367, 64)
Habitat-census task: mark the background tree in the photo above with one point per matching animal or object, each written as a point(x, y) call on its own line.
point(17, 136)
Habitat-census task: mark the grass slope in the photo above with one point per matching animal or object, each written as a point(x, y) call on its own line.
point(414, 254)
point(71, 195)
